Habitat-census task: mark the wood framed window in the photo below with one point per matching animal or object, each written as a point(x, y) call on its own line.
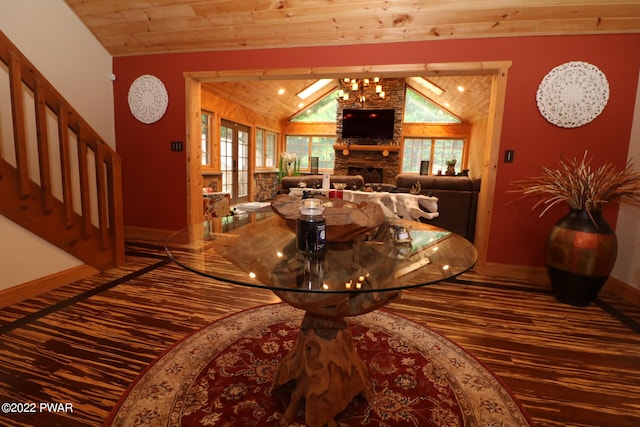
point(307, 146)
point(266, 148)
point(438, 151)
point(206, 126)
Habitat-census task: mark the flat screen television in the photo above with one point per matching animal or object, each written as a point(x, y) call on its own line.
point(367, 124)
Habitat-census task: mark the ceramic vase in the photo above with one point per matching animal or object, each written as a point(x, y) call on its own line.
point(580, 254)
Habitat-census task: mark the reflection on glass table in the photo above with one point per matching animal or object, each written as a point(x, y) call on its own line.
point(347, 279)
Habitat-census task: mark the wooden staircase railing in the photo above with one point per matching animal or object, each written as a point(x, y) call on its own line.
point(58, 179)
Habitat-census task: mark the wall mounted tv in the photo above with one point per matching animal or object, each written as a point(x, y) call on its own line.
point(367, 124)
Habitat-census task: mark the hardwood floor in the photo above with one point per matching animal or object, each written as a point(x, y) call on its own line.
point(85, 343)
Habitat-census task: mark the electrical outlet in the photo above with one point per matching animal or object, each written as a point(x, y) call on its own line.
point(176, 145)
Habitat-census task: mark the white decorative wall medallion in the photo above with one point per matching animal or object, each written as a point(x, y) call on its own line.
point(573, 94)
point(148, 98)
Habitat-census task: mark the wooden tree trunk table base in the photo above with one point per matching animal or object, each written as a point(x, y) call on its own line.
point(327, 371)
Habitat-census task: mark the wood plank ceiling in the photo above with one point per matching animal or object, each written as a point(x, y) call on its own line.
point(277, 98)
point(139, 27)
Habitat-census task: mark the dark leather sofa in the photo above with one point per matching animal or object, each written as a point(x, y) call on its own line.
point(457, 196)
point(457, 200)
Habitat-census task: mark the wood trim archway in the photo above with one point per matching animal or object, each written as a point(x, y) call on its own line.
point(497, 69)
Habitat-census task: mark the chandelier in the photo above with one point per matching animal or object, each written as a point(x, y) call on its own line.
point(358, 88)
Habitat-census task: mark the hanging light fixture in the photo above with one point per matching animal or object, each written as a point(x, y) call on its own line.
point(358, 88)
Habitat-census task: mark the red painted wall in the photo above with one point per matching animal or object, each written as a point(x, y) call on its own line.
point(155, 178)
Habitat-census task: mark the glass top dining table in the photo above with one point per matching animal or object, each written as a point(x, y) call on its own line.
point(259, 250)
point(348, 279)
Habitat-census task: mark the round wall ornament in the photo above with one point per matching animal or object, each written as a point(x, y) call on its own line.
point(573, 94)
point(148, 98)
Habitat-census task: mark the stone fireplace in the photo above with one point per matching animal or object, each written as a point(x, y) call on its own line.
point(379, 161)
point(371, 161)
point(370, 175)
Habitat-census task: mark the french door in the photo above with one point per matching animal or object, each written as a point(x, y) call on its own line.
point(234, 160)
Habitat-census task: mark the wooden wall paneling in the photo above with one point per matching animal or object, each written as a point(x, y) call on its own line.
point(193, 152)
point(462, 130)
point(477, 146)
point(490, 165)
point(236, 112)
point(297, 128)
point(223, 107)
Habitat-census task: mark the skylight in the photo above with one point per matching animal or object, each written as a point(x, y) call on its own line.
point(310, 90)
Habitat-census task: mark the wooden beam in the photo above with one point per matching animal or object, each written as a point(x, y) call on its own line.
point(194, 153)
point(490, 167)
point(386, 71)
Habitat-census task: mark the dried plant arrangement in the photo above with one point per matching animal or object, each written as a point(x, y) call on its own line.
point(582, 186)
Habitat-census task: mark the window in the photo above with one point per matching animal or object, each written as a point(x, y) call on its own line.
point(418, 109)
point(325, 110)
point(437, 150)
point(266, 143)
point(415, 150)
point(306, 146)
point(205, 137)
point(226, 157)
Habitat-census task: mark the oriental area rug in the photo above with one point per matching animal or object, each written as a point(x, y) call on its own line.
point(222, 376)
